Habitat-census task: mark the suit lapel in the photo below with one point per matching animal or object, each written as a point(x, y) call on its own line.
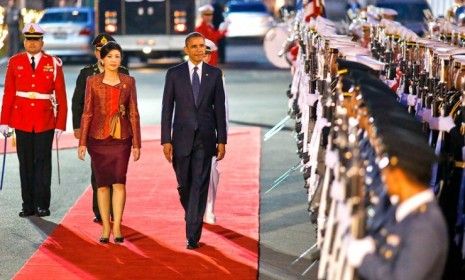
point(186, 74)
point(204, 80)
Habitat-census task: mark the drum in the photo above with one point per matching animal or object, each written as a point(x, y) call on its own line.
point(274, 41)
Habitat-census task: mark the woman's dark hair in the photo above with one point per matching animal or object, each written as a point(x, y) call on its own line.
point(109, 47)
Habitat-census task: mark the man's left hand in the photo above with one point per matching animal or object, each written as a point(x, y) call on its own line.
point(220, 151)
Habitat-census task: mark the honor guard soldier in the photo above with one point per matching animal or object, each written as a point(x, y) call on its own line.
point(34, 104)
point(209, 216)
point(413, 243)
point(77, 106)
point(207, 29)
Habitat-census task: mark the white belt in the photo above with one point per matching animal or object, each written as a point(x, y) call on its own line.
point(33, 95)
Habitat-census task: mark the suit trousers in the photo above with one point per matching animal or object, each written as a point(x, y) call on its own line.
point(35, 167)
point(193, 176)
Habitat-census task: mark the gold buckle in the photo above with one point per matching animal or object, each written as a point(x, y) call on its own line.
point(459, 164)
point(32, 95)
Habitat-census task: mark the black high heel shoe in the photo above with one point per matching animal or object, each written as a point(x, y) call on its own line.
point(104, 240)
point(119, 239)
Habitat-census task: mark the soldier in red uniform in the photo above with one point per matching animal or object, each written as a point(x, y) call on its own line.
point(207, 29)
point(34, 104)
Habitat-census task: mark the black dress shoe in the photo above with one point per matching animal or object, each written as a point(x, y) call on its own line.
point(97, 219)
point(119, 239)
point(192, 245)
point(26, 213)
point(43, 212)
point(104, 240)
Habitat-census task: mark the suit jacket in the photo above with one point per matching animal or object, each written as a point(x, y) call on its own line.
point(208, 118)
point(28, 114)
point(77, 105)
point(98, 108)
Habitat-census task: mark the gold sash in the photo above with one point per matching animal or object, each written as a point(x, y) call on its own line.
point(115, 123)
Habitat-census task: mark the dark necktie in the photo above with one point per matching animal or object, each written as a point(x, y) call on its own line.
point(196, 85)
point(33, 63)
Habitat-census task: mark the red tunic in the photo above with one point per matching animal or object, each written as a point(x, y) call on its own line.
point(28, 114)
point(212, 34)
point(313, 10)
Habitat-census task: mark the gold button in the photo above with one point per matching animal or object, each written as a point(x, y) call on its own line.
point(33, 104)
point(33, 85)
point(33, 75)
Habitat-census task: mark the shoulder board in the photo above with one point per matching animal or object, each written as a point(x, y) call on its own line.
point(17, 55)
point(88, 66)
point(123, 67)
point(57, 60)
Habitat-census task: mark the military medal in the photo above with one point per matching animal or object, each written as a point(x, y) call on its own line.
point(48, 68)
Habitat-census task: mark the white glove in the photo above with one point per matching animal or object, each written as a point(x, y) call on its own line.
point(442, 123)
point(58, 132)
point(357, 249)
point(426, 115)
point(4, 129)
point(224, 25)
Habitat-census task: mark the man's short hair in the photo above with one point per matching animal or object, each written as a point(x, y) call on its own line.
point(193, 35)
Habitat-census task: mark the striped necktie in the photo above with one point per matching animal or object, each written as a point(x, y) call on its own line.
point(196, 85)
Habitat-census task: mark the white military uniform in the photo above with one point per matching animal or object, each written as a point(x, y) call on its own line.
point(209, 216)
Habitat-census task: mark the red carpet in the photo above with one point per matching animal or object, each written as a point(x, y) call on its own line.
point(154, 227)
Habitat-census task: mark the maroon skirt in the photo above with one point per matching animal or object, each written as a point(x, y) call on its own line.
point(109, 159)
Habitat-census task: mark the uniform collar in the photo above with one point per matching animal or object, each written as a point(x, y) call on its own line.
point(37, 56)
point(410, 205)
point(98, 67)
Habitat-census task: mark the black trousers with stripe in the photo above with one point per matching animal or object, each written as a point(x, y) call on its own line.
point(35, 167)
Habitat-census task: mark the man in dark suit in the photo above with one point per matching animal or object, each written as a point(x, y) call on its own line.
point(194, 94)
point(77, 106)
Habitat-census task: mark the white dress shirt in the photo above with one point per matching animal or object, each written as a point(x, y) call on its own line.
point(37, 58)
point(191, 70)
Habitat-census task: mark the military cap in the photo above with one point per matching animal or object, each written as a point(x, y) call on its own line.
point(410, 152)
point(347, 65)
point(370, 85)
point(210, 46)
point(101, 40)
point(33, 31)
point(206, 9)
point(389, 12)
point(369, 61)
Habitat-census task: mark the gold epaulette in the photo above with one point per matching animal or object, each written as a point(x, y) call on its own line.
point(455, 109)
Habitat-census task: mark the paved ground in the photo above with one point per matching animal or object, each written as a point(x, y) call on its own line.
point(256, 93)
